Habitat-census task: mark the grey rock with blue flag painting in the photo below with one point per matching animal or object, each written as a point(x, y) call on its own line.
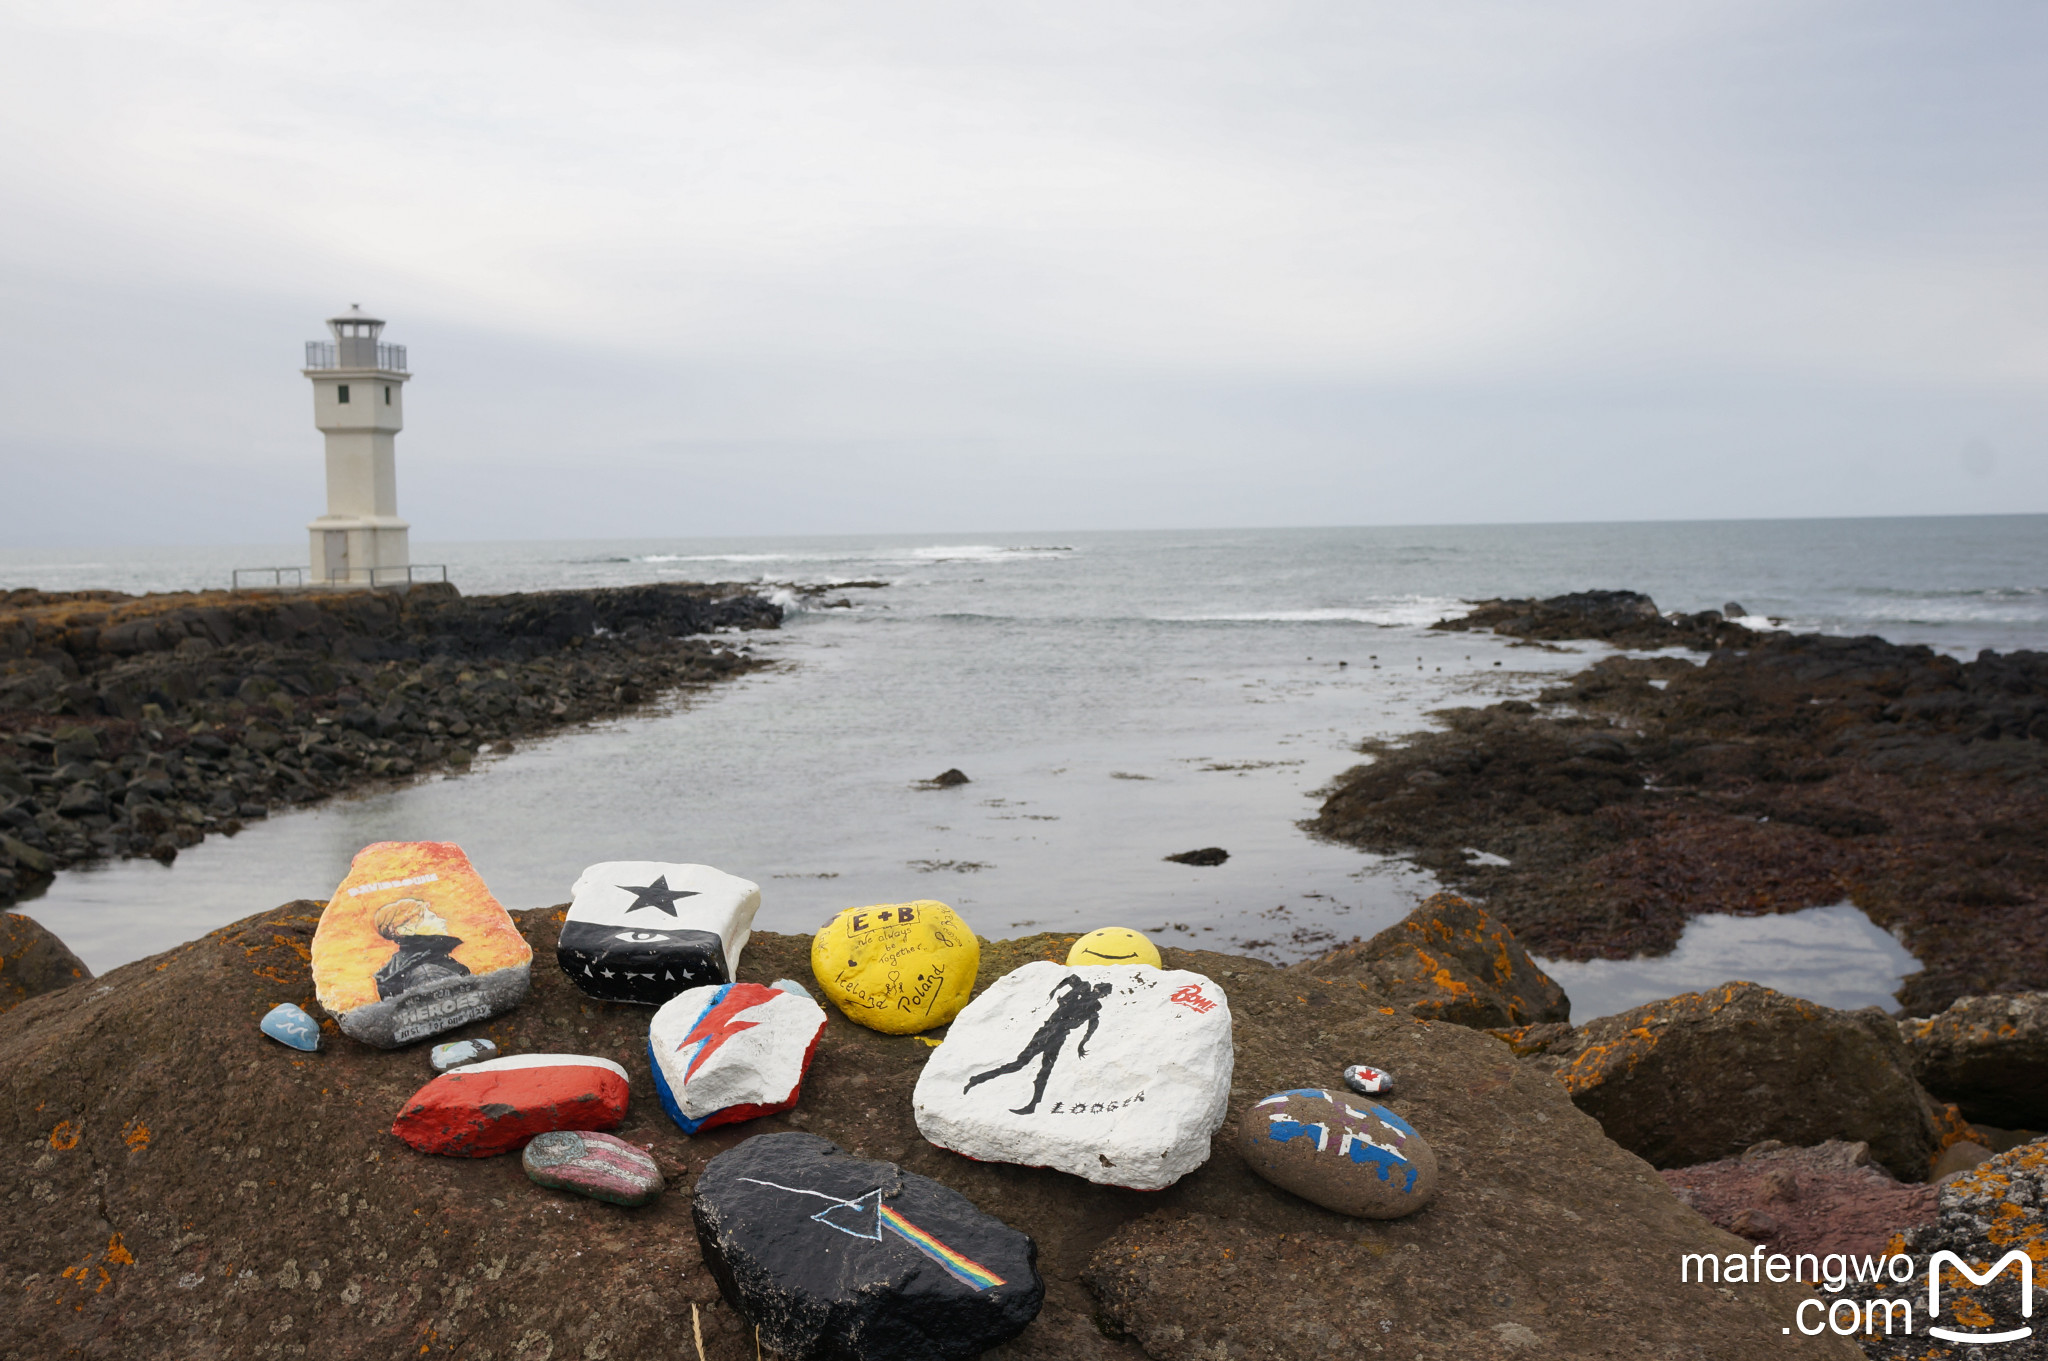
point(839, 1258)
point(289, 1024)
point(1340, 1151)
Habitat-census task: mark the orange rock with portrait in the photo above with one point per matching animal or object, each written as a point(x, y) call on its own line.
point(412, 945)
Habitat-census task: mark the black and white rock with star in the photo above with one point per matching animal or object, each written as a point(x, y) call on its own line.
point(643, 931)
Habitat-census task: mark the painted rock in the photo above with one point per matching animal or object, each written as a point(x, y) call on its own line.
point(791, 985)
point(1369, 1081)
point(731, 1052)
point(838, 1258)
point(897, 967)
point(1114, 945)
point(1358, 1159)
point(460, 1054)
point(412, 944)
point(290, 1025)
point(643, 931)
point(1115, 1073)
point(495, 1106)
point(601, 1166)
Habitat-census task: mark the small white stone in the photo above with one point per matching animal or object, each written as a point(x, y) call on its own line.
point(1136, 1109)
point(1368, 1081)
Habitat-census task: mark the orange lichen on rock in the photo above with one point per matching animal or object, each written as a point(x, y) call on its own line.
point(1450, 961)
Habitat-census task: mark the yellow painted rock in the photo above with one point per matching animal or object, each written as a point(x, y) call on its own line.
point(897, 967)
point(1114, 945)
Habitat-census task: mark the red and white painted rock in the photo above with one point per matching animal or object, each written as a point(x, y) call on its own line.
point(495, 1107)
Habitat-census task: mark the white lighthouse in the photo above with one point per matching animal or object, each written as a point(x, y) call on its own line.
point(359, 405)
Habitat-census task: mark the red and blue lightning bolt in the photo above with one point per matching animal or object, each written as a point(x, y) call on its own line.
point(718, 1023)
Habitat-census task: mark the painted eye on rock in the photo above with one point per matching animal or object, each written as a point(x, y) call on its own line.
point(640, 937)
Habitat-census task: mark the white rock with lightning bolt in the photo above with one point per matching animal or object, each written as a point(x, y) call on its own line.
point(732, 1052)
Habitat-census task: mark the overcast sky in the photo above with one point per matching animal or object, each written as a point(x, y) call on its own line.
point(772, 267)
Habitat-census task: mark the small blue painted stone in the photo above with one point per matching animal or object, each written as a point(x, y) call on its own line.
point(289, 1024)
point(791, 985)
point(1343, 1153)
point(460, 1054)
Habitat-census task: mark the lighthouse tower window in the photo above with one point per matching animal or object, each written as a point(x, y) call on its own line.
point(387, 394)
point(342, 392)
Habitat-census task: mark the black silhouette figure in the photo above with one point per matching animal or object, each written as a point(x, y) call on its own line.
point(1082, 1005)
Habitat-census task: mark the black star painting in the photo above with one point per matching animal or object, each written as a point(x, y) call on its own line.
point(657, 894)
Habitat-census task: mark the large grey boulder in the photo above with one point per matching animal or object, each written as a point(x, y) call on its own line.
point(1989, 1055)
point(1703, 1076)
point(33, 961)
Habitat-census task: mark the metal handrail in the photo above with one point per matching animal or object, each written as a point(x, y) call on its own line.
point(414, 571)
point(276, 575)
point(411, 573)
point(325, 354)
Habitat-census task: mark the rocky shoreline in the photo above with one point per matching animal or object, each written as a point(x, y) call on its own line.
point(137, 725)
point(200, 1190)
point(1779, 771)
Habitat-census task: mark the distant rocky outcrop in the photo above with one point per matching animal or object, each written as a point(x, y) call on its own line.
point(181, 1184)
point(135, 725)
point(1783, 771)
point(1624, 618)
point(1448, 960)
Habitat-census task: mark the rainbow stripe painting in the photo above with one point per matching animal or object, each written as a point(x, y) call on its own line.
point(870, 1216)
point(962, 1267)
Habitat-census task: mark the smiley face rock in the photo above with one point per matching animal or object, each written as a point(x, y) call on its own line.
point(644, 931)
point(1114, 945)
point(897, 967)
point(412, 944)
point(1343, 1153)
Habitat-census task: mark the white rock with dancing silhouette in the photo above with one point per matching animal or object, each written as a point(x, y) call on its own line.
point(1117, 1074)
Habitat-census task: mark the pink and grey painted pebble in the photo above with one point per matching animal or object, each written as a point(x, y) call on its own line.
point(600, 1166)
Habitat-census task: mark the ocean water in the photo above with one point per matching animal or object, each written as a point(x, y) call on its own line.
point(1113, 698)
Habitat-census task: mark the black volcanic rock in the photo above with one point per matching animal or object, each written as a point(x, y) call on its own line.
point(136, 725)
point(838, 1258)
point(1208, 855)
